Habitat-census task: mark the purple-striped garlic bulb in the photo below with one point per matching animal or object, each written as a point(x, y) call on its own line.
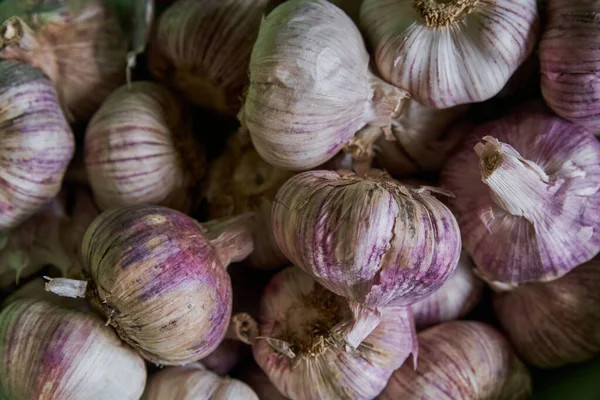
point(569, 61)
point(37, 143)
point(79, 45)
point(423, 139)
point(366, 237)
point(160, 278)
point(140, 149)
point(450, 52)
point(527, 196)
point(554, 323)
point(256, 378)
point(241, 181)
point(306, 341)
point(311, 89)
point(194, 382)
point(461, 360)
point(53, 353)
point(459, 295)
point(202, 49)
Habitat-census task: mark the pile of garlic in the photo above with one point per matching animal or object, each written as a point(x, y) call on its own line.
point(296, 199)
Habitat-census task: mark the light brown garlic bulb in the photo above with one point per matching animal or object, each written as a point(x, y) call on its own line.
point(202, 48)
point(139, 149)
point(554, 323)
point(194, 382)
point(461, 360)
point(36, 143)
point(53, 353)
point(78, 44)
point(241, 181)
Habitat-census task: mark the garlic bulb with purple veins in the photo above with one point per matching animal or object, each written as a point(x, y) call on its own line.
point(194, 382)
point(160, 278)
point(453, 300)
point(368, 238)
point(527, 196)
point(36, 143)
point(310, 87)
point(301, 344)
point(54, 353)
point(450, 52)
point(202, 49)
point(139, 149)
point(461, 360)
point(79, 45)
point(554, 323)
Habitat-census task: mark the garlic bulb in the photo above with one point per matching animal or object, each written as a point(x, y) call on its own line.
point(241, 181)
point(461, 360)
point(367, 238)
point(37, 143)
point(423, 139)
point(260, 383)
point(194, 382)
point(554, 323)
point(139, 149)
point(311, 89)
point(202, 48)
point(301, 346)
point(453, 300)
point(526, 197)
point(569, 61)
point(160, 278)
point(79, 45)
point(450, 52)
point(53, 353)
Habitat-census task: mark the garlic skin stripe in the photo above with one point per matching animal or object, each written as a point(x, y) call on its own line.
point(446, 53)
point(527, 196)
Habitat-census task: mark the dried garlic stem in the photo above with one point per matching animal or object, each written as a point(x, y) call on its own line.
point(243, 328)
point(232, 237)
point(364, 321)
point(439, 13)
point(67, 287)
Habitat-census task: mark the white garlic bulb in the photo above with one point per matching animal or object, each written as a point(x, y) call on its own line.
point(451, 52)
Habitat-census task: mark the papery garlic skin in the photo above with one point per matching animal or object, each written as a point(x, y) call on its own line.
point(297, 310)
point(527, 197)
point(461, 292)
point(310, 86)
point(35, 290)
point(79, 45)
point(139, 149)
point(461, 360)
point(53, 353)
point(368, 238)
point(160, 278)
point(194, 382)
point(569, 61)
point(202, 48)
point(554, 323)
point(36, 141)
point(446, 53)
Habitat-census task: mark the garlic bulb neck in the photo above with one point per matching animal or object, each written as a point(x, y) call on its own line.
point(440, 13)
point(518, 186)
point(232, 237)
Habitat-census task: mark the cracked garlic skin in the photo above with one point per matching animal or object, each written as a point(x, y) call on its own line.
point(552, 324)
point(160, 278)
point(78, 44)
point(368, 238)
point(450, 52)
point(310, 86)
point(139, 149)
point(299, 349)
point(36, 143)
point(461, 360)
point(527, 197)
point(202, 49)
point(54, 353)
point(194, 382)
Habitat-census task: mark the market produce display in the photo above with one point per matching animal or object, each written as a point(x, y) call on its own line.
point(299, 199)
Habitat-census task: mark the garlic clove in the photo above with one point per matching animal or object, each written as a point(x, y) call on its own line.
point(451, 52)
point(54, 353)
point(526, 197)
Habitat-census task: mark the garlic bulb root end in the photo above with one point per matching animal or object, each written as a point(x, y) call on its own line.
point(440, 13)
